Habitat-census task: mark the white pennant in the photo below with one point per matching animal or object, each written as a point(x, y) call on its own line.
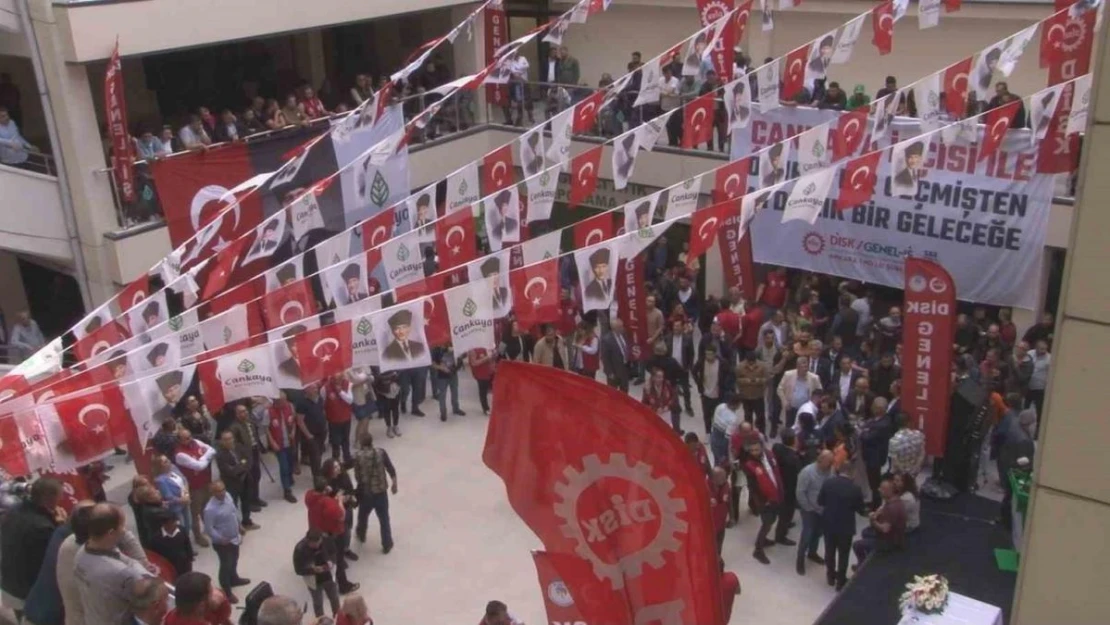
point(928, 14)
point(462, 188)
point(768, 17)
point(541, 190)
point(249, 373)
point(926, 94)
point(469, 314)
point(1042, 107)
point(768, 79)
point(1015, 47)
point(647, 135)
point(813, 149)
point(682, 198)
point(738, 103)
point(624, 158)
point(882, 113)
point(531, 151)
point(807, 200)
point(982, 72)
point(541, 248)
point(821, 51)
point(1080, 105)
point(651, 77)
point(773, 161)
point(900, 8)
point(847, 42)
point(561, 126)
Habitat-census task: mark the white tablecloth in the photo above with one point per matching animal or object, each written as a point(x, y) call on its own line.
point(961, 610)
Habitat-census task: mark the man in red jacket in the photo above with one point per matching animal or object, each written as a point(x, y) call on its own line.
point(326, 515)
point(765, 484)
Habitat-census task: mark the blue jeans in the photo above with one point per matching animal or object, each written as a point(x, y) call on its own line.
point(413, 386)
point(379, 504)
point(718, 444)
point(285, 467)
point(441, 386)
point(811, 535)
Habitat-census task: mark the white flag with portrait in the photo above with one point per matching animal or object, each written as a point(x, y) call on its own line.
point(346, 282)
point(907, 160)
point(1014, 49)
point(882, 113)
point(926, 93)
point(1080, 105)
point(502, 217)
point(462, 188)
point(402, 341)
point(267, 237)
point(248, 373)
point(597, 274)
point(541, 190)
point(1042, 106)
point(752, 203)
point(982, 72)
point(820, 57)
point(283, 351)
point(738, 103)
point(768, 18)
point(284, 274)
point(153, 357)
point(847, 40)
point(767, 77)
point(625, 148)
point(773, 164)
point(421, 209)
point(808, 197)
point(813, 149)
point(558, 153)
point(651, 76)
point(682, 198)
point(531, 151)
point(647, 134)
point(493, 271)
point(149, 314)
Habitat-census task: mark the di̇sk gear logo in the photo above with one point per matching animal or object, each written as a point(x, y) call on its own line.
point(657, 508)
point(813, 243)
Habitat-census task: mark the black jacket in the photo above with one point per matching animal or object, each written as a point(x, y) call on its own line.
point(177, 550)
point(841, 499)
point(24, 536)
point(686, 358)
point(234, 467)
point(874, 438)
point(726, 379)
point(790, 465)
point(305, 556)
point(672, 371)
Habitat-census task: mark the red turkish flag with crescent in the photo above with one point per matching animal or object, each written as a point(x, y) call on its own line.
point(593, 230)
point(927, 334)
point(741, 18)
point(456, 242)
point(437, 327)
point(12, 459)
point(850, 130)
point(103, 338)
point(75, 489)
point(585, 112)
point(93, 422)
point(222, 268)
point(497, 170)
point(289, 303)
point(882, 27)
point(536, 293)
point(697, 127)
point(1058, 153)
point(857, 181)
point(998, 122)
point(597, 475)
point(324, 351)
point(377, 230)
point(951, 6)
point(133, 294)
point(704, 225)
point(731, 181)
point(956, 87)
point(1067, 40)
point(794, 76)
point(583, 175)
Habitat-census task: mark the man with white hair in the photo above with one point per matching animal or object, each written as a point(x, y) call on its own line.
point(279, 610)
point(1013, 441)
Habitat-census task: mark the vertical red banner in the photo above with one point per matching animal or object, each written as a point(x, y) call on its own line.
point(115, 108)
point(736, 257)
point(710, 11)
point(556, 597)
point(632, 302)
point(927, 335)
point(497, 35)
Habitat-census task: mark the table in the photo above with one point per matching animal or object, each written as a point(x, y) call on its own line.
point(961, 610)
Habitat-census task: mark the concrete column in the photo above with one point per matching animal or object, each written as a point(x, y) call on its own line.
point(11, 285)
point(309, 57)
point(470, 54)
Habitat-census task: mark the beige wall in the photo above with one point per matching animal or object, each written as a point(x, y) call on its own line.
point(605, 43)
point(1066, 556)
point(12, 296)
point(34, 223)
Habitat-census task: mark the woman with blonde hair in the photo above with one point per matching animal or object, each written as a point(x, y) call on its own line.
point(354, 611)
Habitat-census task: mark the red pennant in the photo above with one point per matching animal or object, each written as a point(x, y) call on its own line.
point(741, 17)
point(1066, 42)
point(722, 54)
point(956, 87)
point(698, 121)
point(882, 27)
point(593, 230)
point(930, 314)
point(850, 130)
point(378, 229)
point(998, 122)
point(704, 225)
point(536, 293)
point(583, 175)
point(12, 385)
point(585, 112)
point(75, 489)
point(437, 328)
point(324, 351)
point(456, 242)
point(794, 76)
point(857, 181)
point(223, 268)
point(211, 390)
point(731, 181)
point(497, 170)
point(289, 303)
point(133, 294)
point(12, 459)
point(93, 421)
point(1058, 153)
point(99, 340)
point(951, 6)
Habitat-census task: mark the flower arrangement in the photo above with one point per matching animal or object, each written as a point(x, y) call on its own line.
point(927, 594)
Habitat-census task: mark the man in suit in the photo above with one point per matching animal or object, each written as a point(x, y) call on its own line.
point(829, 361)
point(840, 500)
point(794, 390)
point(169, 385)
point(776, 170)
point(600, 287)
point(352, 280)
point(820, 63)
point(790, 465)
point(858, 402)
point(268, 241)
point(401, 348)
point(680, 347)
point(290, 367)
point(908, 176)
point(549, 69)
point(615, 353)
point(843, 380)
point(491, 268)
point(874, 437)
point(714, 377)
point(233, 463)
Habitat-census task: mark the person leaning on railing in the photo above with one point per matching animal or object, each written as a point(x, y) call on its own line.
point(13, 147)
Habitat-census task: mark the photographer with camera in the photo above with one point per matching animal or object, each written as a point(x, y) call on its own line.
point(24, 536)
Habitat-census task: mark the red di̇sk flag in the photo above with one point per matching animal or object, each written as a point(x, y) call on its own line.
point(722, 55)
point(585, 113)
point(324, 351)
point(456, 242)
point(998, 122)
point(956, 87)
point(927, 334)
point(93, 422)
point(1058, 153)
point(1066, 43)
point(119, 132)
point(583, 175)
point(497, 170)
point(593, 230)
point(632, 304)
point(882, 27)
point(857, 181)
point(377, 230)
point(557, 600)
point(289, 303)
point(103, 338)
point(794, 76)
point(597, 475)
point(851, 127)
point(731, 181)
point(536, 293)
point(698, 123)
point(705, 223)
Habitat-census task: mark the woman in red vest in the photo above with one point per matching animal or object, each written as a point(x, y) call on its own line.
point(659, 395)
point(483, 363)
point(765, 485)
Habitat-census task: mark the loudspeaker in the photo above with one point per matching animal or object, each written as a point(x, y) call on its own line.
point(253, 602)
point(966, 422)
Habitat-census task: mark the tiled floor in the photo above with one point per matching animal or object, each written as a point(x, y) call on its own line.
point(459, 544)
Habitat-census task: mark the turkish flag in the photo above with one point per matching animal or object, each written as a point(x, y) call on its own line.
point(927, 334)
point(1058, 152)
point(99, 340)
point(851, 127)
point(697, 125)
point(583, 175)
point(998, 122)
point(882, 27)
point(324, 351)
point(211, 390)
point(133, 294)
point(75, 489)
point(12, 459)
point(536, 293)
point(497, 170)
point(593, 230)
point(951, 6)
point(740, 19)
point(857, 181)
point(289, 303)
point(955, 88)
point(223, 268)
point(456, 243)
point(585, 112)
point(1066, 42)
point(12, 385)
point(437, 328)
point(731, 181)
point(93, 422)
point(704, 225)
point(596, 474)
point(423, 286)
point(794, 76)
point(377, 230)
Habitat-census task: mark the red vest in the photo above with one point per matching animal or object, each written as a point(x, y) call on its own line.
point(336, 410)
point(483, 371)
point(568, 310)
point(196, 479)
point(590, 362)
point(283, 425)
point(770, 491)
